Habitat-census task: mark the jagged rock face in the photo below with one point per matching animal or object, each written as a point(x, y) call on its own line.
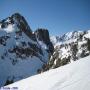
point(20, 22)
point(21, 54)
point(43, 35)
point(68, 48)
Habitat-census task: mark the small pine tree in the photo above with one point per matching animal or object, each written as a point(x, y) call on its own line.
point(83, 54)
point(88, 44)
point(8, 82)
point(74, 49)
point(58, 64)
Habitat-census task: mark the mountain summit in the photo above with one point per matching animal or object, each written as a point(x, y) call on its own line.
point(22, 52)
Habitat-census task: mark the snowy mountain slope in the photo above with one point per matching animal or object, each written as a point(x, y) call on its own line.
point(68, 48)
point(74, 76)
point(21, 54)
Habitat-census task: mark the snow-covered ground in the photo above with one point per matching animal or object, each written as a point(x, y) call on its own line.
point(74, 76)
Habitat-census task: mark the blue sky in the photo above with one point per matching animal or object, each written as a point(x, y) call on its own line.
point(58, 16)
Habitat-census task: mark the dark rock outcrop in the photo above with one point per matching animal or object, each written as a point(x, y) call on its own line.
point(43, 35)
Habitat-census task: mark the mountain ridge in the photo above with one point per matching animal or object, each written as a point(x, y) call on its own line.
point(68, 48)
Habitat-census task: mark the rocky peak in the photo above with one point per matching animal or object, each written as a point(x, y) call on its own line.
point(19, 21)
point(43, 35)
point(22, 51)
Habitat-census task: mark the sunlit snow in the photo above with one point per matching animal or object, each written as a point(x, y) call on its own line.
point(74, 76)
